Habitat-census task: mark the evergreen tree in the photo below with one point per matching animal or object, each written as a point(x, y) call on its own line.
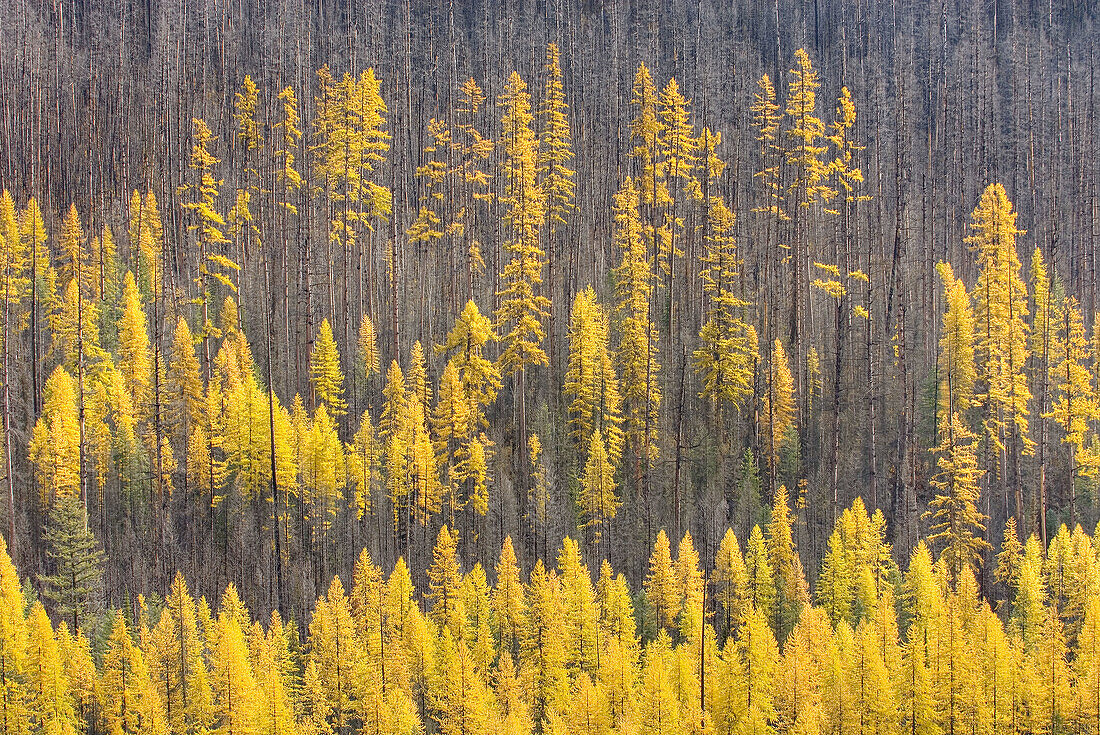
point(75, 588)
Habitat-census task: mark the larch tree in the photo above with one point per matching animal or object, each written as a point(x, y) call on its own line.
point(129, 701)
point(555, 178)
point(1001, 329)
point(727, 355)
point(598, 499)
point(14, 693)
point(590, 380)
point(662, 589)
point(212, 267)
point(777, 415)
point(522, 307)
point(637, 352)
point(542, 650)
point(1043, 325)
point(677, 151)
point(445, 585)
point(1075, 405)
point(325, 372)
point(955, 370)
point(472, 150)
point(14, 284)
point(791, 592)
point(807, 186)
point(731, 582)
point(957, 525)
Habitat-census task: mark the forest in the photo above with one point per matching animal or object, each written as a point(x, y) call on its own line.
point(476, 306)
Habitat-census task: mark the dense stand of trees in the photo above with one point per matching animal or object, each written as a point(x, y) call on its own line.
point(560, 649)
point(278, 283)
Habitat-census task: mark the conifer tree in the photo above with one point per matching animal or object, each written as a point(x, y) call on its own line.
point(956, 363)
point(445, 585)
point(55, 448)
point(1075, 406)
point(598, 498)
point(79, 668)
point(807, 186)
point(462, 700)
point(1002, 337)
point(731, 582)
point(234, 686)
point(135, 360)
point(522, 308)
point(200, 198)
point(555, 151)
point(1044, 323)
point(761, 580)
point(130, 702)
point(758, 652)
point(662, 590)
point(14, 284)
point(555, 148)
point(542, 650)
point(590, 380)
point(75, 587)
point(363, 455)
point(777, 416)
point(692, 590)
point(479, 375)
point(726, 358)
point(791, 593)
point(368, 363)
point(189, 697)
point(677, 149)
point(14, 690)
point(645, 132)
point(508, 600)
point(637, 353)
point(451, 436)
point(337, 654)
point(956, 522)
point(325, 372)
point(579, 607)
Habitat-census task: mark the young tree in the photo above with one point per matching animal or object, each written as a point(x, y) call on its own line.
point(957, 524)
point(590, 380)
point(598, 499)
point(1075, 406)
point(75, 587)
point(662, 590)
point(777, 416)
point(325, 372)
